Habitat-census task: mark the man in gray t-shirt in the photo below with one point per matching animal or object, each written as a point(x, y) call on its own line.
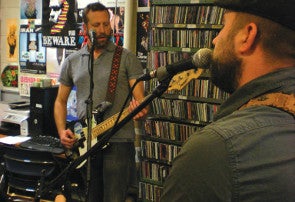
point(118, 159)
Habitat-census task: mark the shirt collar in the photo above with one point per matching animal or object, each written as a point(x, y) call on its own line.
point(282, 80)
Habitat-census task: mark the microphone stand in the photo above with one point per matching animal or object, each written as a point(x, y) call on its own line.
point(157, 92)
point(89, 107)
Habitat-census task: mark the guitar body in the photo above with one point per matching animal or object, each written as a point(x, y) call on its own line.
point(81, 133)
point(83, 149)
point(80, 147)
point(96, 132)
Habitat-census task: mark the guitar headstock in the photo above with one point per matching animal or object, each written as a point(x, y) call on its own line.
point(180, 80)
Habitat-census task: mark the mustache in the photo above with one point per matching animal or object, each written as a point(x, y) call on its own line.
point(102, 36)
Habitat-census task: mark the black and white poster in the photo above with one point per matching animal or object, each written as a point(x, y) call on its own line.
point(59, 24)
point(142, 36)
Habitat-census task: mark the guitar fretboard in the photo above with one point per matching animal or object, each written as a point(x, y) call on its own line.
point(108, 123)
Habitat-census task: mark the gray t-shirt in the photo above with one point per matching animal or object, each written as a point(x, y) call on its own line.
point(75, 73)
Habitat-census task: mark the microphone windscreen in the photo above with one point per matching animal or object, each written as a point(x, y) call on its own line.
point(92, 35)
point(202, 58)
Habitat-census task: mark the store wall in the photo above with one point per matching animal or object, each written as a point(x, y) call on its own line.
point(9, 9)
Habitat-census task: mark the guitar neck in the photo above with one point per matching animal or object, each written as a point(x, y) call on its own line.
point(108, 123)
point(177, 83)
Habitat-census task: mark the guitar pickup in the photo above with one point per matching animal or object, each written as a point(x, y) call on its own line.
point(80, 141)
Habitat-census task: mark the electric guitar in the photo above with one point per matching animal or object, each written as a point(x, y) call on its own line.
point(179, 81)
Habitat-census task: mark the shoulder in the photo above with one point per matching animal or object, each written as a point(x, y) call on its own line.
point(111, 48)
point(251, 118)
point(218, 138)
point(129, 56)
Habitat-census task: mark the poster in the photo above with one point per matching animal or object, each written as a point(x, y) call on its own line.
point(143, 3)
point(31, 9)
point(55, 58)
point(9, 76)
point(10, 71)
point(12, 40)
point(26, 81)
point(30, 16)
point(142, 37)
point(32, 54)
point(117, 24)
point(60, 24)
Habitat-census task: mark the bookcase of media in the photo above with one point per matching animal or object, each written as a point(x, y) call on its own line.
point(178, 28)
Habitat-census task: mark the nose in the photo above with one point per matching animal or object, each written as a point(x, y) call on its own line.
point(100, 29)
point(214, 40)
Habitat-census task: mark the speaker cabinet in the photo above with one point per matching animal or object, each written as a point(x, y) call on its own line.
point(41, 120)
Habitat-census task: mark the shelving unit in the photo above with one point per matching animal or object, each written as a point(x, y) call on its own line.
point(178, 28)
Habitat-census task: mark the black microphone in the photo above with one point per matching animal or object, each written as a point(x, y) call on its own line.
point(201, 59)
point(92, 36)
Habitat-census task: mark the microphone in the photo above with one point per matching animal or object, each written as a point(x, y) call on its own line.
point(92, 36)
point(201, 59)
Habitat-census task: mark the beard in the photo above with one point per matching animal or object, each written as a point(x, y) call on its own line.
point(226, 70)
point(102, 44)
point(99, 44)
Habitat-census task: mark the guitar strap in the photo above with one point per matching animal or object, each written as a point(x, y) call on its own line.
point(112, 84)
point(114, 75)
point(281, 101)
point(96, 185)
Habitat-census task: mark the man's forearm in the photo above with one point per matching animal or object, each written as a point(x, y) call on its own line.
point(60, 113)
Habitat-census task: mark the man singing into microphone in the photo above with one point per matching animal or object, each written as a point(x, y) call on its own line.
point(248, 152)
point(118, 159)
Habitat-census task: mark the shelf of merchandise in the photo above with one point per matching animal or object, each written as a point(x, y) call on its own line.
point(175, 34)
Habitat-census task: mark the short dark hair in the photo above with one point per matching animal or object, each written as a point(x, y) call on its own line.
point(277, 40)
point(93, 7)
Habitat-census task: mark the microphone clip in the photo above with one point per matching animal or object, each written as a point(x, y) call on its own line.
point(92, 36)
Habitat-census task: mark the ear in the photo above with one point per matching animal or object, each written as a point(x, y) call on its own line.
point(247, 37)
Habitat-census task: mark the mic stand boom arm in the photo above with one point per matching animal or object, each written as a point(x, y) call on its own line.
point(160, 89)
point(157, 92)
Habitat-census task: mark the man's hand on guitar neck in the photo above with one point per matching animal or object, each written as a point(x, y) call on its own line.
point(67, 138)
point(133, 104)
